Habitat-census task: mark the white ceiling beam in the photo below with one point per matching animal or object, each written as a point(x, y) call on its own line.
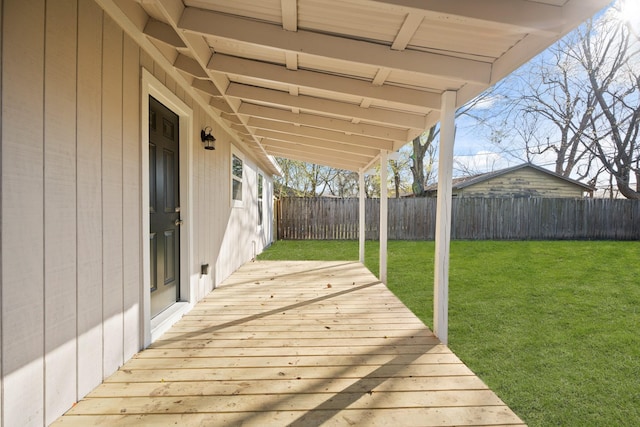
point(132, 19)
point(322, 81)
point(173, 10)
point(366, 103)
point(232, 118)
point(363, 129)
point(221, 105)
point(464, 95)
point(289, 14)
point(309, 140)
point(373, 163)
point(324, 160)
point(381, 76)
point(531, 16)
point(241, 129)
point(375, 115)
point(350, 155)
point(291, 59)
point(338, 155)
point(206, 86)
point(317, 158)
point(210, 23)
point(408, 29)
point(189, 66)
point(164, 33)
point(356, 142)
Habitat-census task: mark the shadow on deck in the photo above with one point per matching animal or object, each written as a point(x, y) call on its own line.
point(299, 344)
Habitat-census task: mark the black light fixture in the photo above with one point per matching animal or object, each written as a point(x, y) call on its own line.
point(208, 139)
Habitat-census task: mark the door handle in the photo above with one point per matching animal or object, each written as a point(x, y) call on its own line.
point(178, 222)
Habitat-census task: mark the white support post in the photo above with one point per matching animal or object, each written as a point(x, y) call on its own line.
point(361, 229)
point(383, 216)
point(443, 217)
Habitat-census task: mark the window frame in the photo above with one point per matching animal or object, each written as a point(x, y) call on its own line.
point(233, 178)
point(260, 198)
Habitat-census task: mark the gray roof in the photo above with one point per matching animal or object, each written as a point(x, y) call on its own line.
point(463, 182)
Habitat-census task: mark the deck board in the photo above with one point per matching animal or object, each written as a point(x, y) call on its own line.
point(295, 343)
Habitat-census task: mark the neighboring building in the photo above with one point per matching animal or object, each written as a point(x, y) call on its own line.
point(525, 180)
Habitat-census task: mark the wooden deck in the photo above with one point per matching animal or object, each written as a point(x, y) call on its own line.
point(300, 344)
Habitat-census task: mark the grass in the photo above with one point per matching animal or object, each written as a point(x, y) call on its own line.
point(551, 327)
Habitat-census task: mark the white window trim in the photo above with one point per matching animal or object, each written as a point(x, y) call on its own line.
point(260, 198)
point(237, 203)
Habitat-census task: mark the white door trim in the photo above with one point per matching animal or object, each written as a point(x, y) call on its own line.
point(153, 328)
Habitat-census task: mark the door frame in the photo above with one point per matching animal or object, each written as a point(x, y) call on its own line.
point(153, 328)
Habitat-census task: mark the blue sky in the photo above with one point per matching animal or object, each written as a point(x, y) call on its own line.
point(475, 153)
point(473, 150)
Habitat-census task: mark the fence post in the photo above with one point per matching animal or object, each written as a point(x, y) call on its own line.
point(276, 218)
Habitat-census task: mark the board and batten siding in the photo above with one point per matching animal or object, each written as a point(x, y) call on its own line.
point(71, 248)
point(525, 182)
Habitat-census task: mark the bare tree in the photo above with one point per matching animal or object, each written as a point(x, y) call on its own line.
point(395, 174)
point(399, 172)
point(300, 179)
point(421, 145)
point(343, 183)
point(372, 184)
point(559, 95)
point(546, 108)
point(293, 179)
point(609, 53)
point(424, 144)
point(580, 101)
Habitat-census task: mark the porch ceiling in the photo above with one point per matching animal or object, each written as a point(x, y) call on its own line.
point(334, 82)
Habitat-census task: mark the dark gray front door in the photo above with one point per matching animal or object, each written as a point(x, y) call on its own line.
point(164, 210)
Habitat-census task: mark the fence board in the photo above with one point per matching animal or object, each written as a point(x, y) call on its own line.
point(472, 219)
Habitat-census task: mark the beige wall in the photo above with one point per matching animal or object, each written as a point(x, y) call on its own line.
point(525, 182)
point(72, 237)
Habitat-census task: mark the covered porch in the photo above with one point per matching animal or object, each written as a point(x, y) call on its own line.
point(295, 343)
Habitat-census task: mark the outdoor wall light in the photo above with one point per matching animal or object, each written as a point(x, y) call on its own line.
point(208, 139)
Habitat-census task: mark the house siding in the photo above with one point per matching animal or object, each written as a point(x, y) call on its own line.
point(71, 248)
point(525, 182)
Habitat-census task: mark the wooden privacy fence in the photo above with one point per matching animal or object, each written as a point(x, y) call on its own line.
point(472, 218)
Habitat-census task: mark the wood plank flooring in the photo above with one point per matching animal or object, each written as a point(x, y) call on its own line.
point(295, 344)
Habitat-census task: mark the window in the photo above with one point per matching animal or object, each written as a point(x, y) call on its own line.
point(260, 188)
point(236, 180)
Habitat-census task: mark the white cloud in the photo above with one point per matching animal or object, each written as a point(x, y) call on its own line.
point(481, 162)
point(485, 103)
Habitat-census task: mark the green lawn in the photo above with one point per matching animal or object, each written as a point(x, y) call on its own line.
point(552, 327)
